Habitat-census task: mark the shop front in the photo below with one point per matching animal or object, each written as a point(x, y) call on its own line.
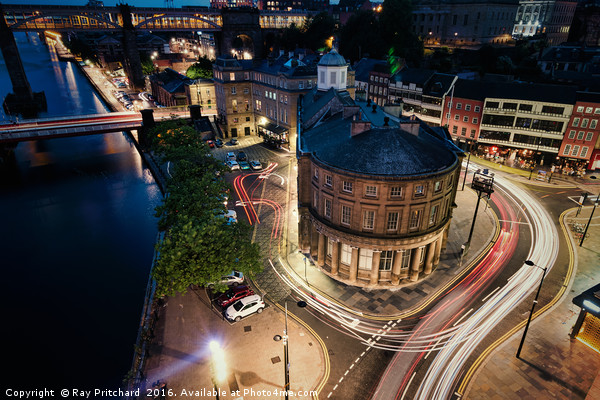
point(587, 327)
point(274, 135)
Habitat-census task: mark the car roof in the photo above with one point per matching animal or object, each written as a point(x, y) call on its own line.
point(251, 298)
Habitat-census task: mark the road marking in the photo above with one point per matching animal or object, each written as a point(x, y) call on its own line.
point(461, 318)
point(493, 291)
point(407, 385)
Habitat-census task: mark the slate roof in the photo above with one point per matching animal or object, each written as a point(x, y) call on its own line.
point(469, 89)
point(438, 84)
point(172, 81)
point(333, 59)
point(417, 76)
point(364, 66)
point(384, 152)
point(532, 91)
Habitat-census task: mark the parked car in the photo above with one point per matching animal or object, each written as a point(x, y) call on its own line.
point(231, 216)
point(233, 295)
point(233, 141)
point(233, 165)
point(218, 143)
point(244, 165)
point(241, 156)
point(244, 307)
point(255, 165)
point(210, 143)
point(230, 156)
point(234, 279)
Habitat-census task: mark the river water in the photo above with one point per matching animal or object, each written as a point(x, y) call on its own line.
point(77, 231)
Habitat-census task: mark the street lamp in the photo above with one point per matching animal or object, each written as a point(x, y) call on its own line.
point(286, 357)
point(467, 168)
point(531, 264)
point(483, 183)
point(218, 367)
point(589, 221)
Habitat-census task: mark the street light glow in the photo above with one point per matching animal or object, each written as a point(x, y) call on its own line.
point(218, 358)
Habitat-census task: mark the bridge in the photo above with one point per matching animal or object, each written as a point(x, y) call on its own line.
point(80, 125)
point(249, 24)
point(57, 18)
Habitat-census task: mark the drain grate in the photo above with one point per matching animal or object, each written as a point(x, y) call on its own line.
point(275, 360)
point(247, 328)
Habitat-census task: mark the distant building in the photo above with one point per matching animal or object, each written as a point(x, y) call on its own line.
point(230, 3)
point(362, 78)
point(374, 192)
point(551, 18)
point(586, 23)
point(457, 23)
point(289, 5)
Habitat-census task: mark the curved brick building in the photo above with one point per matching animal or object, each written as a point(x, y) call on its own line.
point(375, 193)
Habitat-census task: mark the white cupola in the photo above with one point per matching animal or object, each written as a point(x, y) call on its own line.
point(332, 70)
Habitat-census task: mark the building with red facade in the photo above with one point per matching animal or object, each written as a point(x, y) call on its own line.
point(581, 141)
point(463, 109)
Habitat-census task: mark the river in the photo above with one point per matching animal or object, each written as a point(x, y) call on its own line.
point(77, 233)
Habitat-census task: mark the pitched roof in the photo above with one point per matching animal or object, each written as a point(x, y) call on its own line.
point(364, 66)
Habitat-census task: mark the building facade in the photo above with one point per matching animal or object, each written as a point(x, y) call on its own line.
point(581, 142)
point(548, 17)
point(463, 110)
point(371, 215)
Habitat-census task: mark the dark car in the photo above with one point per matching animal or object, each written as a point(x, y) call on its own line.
point(210, 143)
point(241, 156)
point(233, 141)
point(233, 295)
point(218, 143)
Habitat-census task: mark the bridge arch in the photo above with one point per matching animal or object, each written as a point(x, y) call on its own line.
point(159, 17)
point(50, 15)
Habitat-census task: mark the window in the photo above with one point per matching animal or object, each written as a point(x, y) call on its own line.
point(454, 129)
point(316, 174)
point(492, 104)
point(597, 111)
point(346, 215)
point(584, 123)
point(593, 124)
point(580, 109)
point(330, 244)
point(234, 105)
point(437, 186)
point(301, 85)
point(580, 135)
point(322, 77)
point(572, 134)
point(369, 219)
point(332, 77)
point(371, 191)
point(346, 254)
point(467, 107)
point(246, 91)
point(567, 150)
point(365, 259)
point(405, 259)
point(392, 221)
point(466, 118)
point(233, 90)
point(232, 76)
point(575, 150)
point(584, 151)
point(589, 136)
point(463, 131)
point(525, 107)
point(258, 105)
point(328, 180)
point(458, 106)
point(396, 191)
point(588, 110)
point(415, 219)
point(553, 110)
point(347, 187)
point(433, 214)
point(419, 190)
point(475, 120)
point(477, 108)
point(316, 200)
point(327, 210)
point(575, 122)
point(456, 117)
point(386, 260)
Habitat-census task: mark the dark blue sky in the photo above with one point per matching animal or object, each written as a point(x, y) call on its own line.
point(135, 3)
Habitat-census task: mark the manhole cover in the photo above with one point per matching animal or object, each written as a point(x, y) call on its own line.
point(247, 328)
point(275, 360)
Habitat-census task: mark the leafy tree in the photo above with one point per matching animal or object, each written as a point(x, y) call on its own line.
point(395, 20)
point(318, 29)
point(362, 35)
point(147, 64)
point(199, 252)
point(291, 37)
point(201, 69)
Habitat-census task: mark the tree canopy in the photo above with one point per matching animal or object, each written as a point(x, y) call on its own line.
point(199, 245)
point(201, 69)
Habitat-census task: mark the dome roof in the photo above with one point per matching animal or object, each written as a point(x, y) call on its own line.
point(333, 59)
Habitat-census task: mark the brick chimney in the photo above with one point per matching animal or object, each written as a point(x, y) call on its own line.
point(359, 125)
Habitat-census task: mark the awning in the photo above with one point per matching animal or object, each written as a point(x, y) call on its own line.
point(278, 130)
point(589, 300)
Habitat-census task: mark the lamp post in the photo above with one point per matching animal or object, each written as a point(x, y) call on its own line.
point(589, 221)
point(467, 168)
point(286, 358)
point(218, 365)
point(531, 264)
point(539, 139)
point(483, 183)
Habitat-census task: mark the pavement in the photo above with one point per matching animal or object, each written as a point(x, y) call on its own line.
point(552, 365)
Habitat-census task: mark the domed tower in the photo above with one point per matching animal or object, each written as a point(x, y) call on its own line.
point(332, 70)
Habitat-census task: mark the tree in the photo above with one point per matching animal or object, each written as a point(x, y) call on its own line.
point(199, 252)
point(147, 64)
point(396, 23)
point(201, 69)
point(362, 35)
point(318, 29)
point(291, 38)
